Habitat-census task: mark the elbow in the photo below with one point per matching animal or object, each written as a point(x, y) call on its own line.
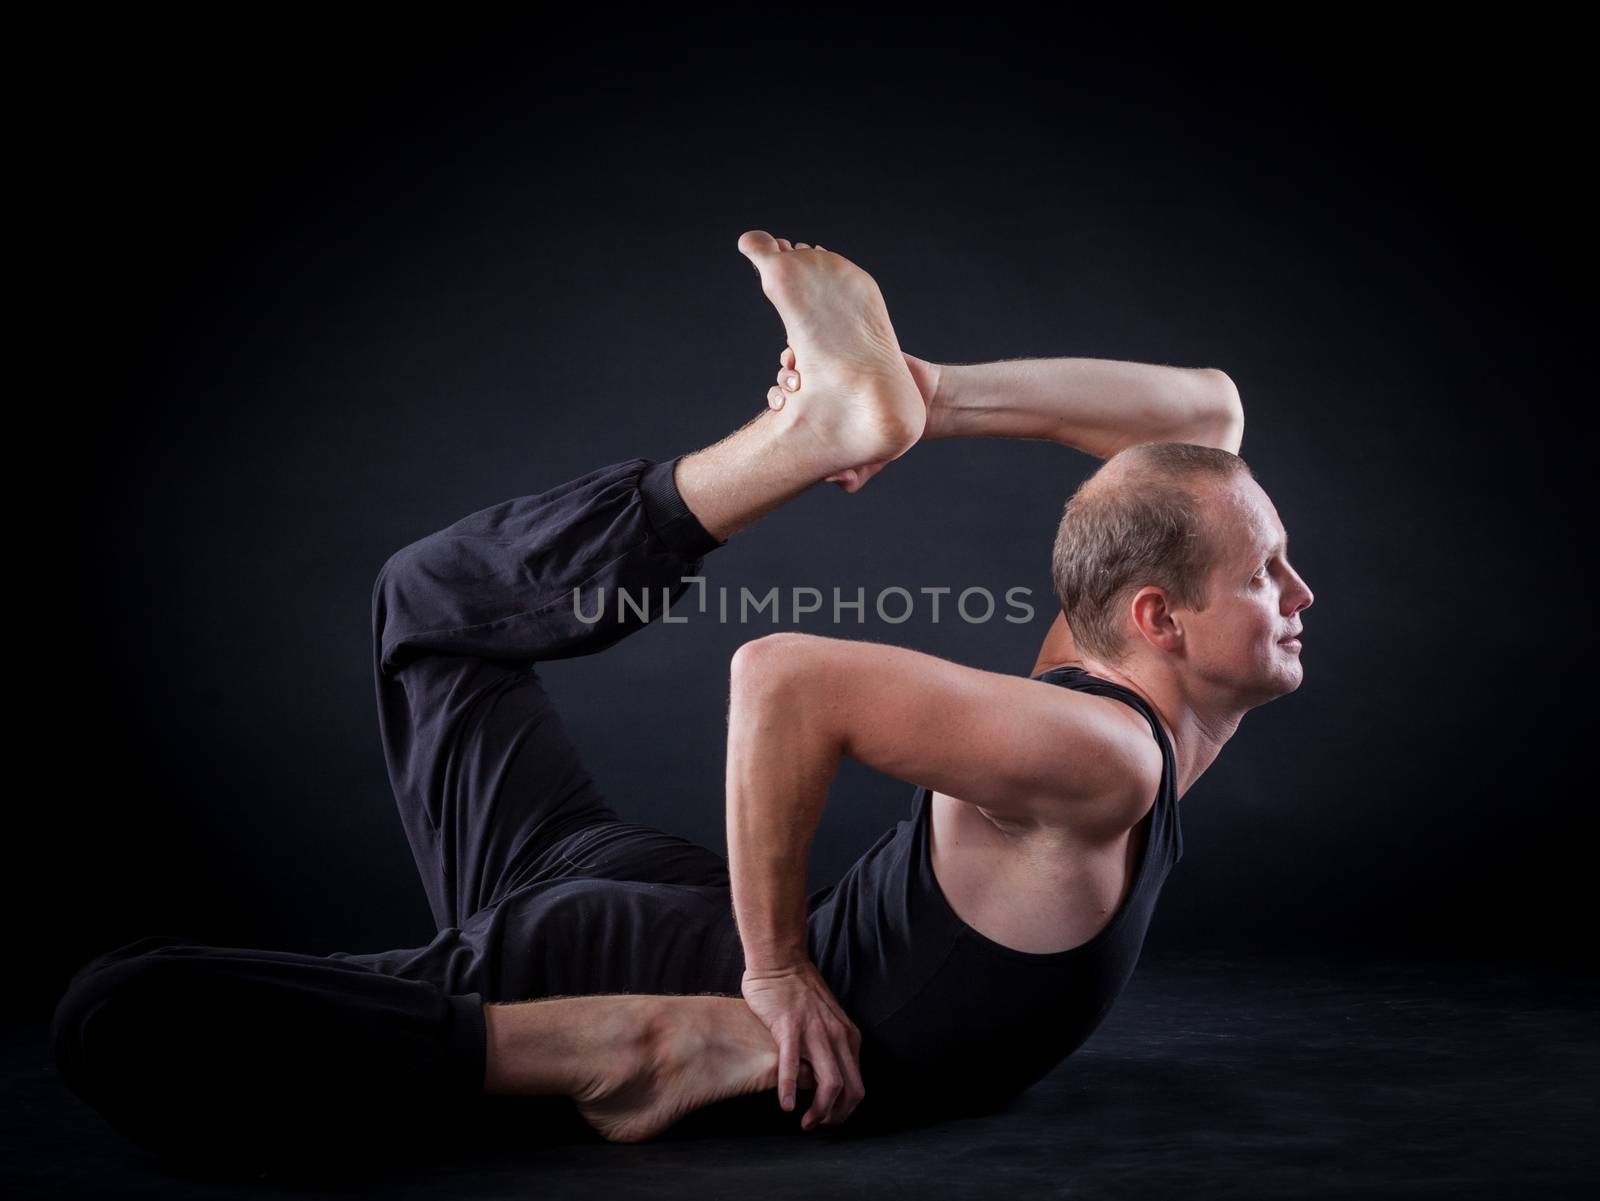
point(775, 693)
point(766, 663)
point(1221, 420)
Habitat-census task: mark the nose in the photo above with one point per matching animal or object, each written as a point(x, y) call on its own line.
point(1303, 595)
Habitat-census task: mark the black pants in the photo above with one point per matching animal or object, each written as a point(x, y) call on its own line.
point(536, 886)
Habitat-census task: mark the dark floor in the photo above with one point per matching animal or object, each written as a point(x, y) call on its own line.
point(1211, 1078)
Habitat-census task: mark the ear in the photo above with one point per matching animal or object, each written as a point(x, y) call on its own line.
point(1155, 620)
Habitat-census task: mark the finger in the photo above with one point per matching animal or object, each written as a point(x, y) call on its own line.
point(787, 357)
point(829, 1084)
point(789, 379)
point(853, 1082)
point(775, 397)
point(788, 1070)
point(822, 1106)
point(848, 1082)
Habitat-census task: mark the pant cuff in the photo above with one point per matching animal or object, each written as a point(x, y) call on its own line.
point(671, 518)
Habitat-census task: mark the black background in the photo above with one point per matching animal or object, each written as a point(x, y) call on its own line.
point(310, 294)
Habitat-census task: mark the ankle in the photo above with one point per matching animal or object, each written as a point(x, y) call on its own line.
point(563, 1046)
point(769, 460)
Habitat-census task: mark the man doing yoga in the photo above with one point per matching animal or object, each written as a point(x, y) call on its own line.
point(958, 960)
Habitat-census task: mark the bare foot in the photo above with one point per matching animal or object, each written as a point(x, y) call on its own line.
point(689, 1052)
point(858, 396)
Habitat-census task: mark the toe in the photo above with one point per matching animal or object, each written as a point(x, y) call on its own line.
point(757, 243)
point(789, 379)
point(787, 357)
point(802, 246)
point(775, 397)
point(784, 243)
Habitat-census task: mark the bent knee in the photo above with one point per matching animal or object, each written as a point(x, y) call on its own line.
point(98, 1014)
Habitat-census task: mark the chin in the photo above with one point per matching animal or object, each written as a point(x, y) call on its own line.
point(1264, 680)
point(1290, 680)
point(1280, 680)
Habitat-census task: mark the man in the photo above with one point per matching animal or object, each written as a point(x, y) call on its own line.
point(959, 959)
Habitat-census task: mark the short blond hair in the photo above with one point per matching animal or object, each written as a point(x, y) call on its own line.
point(1136, 522)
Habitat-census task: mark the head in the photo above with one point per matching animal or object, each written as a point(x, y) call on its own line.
point(1174, 554)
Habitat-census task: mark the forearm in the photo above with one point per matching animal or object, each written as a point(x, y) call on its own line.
point(781, 762)
point(1098, 406)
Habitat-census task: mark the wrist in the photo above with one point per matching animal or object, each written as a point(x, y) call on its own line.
point(781, 948)
point(755, 979)
point(776, 960)
point(944, 379)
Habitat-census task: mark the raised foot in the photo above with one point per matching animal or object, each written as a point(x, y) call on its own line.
point(693, 1051)
point(858, 399)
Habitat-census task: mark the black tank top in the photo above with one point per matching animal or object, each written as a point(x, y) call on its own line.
point(950, 1019)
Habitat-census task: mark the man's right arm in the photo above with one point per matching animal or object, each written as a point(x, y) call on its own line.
point(781, 761)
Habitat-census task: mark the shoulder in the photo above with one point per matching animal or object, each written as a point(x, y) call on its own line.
point(1119, 784)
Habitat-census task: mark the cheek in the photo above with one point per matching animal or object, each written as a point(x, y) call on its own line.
point(1241, 633)
point(1240, 638)
point(1253, 630)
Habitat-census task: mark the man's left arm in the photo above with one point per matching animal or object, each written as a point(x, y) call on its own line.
point(1098, 406)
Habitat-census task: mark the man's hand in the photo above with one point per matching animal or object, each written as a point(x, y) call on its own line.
point(806, 1021)
point(925, 374)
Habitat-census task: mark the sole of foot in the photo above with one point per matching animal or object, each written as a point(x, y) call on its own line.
point(858, 398)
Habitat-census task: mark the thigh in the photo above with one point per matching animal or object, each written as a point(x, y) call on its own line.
point(633, 851)
point(495, 785)
point(487, 780)
point(582, 936)
point(506, 800)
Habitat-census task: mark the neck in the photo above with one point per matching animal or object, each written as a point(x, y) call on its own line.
point(1197, 730)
